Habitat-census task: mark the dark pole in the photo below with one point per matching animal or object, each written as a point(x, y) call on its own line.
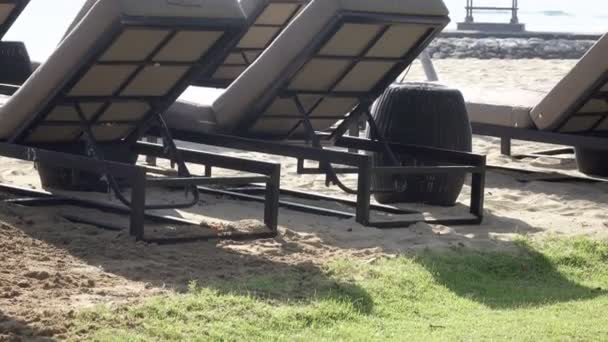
point(514, 18)
point(469, 8)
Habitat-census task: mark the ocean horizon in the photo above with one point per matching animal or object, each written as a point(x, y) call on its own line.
point(580, 16)
point(44, 22)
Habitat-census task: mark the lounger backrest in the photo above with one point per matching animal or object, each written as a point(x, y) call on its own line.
point(125, 60)
point(579, 102)
point(269, 18)
point(9, 12)
point(86, 7)
point(334, 55)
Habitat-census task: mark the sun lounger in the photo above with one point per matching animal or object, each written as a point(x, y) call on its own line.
point(326, 68)
point(573, 113)
point(123, 63)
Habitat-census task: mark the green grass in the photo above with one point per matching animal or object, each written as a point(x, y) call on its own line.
point(556, 290)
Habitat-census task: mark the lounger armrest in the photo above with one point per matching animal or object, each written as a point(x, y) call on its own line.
point(8, 89)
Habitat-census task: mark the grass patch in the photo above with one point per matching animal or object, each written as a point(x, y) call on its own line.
point(554, 290)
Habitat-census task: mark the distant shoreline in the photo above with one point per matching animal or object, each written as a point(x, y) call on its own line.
point(510, 46)
point(524, 35)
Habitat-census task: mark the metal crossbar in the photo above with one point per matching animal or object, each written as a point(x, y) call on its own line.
point(136, 176)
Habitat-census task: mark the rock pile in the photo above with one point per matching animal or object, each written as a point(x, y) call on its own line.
point(508, 48)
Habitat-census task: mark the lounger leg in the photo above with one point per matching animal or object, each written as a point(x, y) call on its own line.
point(138, 204)
point(477, 193)
point(271, 211)
point(300, 166)
point(208, 170)
point(364, 192)
point(149, 159)
point(505, 146)
point(353, 131)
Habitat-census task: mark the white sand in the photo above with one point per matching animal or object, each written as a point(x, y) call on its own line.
point(122, 268)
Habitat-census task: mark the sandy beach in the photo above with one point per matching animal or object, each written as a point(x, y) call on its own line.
point(52, 267)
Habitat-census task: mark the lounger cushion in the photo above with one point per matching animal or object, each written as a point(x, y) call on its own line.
point(560, 109)
point(509, 108)
point(49, 79)
point(239, 101)
point(5, 11)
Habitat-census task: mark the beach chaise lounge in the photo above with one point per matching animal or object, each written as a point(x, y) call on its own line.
point(326, 68)
point(574, 113)
point(120, 66)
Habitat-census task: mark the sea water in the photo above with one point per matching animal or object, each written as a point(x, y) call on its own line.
point(579, 16)
point(44, 21)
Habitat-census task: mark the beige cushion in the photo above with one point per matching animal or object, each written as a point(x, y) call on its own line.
point(558, 105)
point(5, 11)
point(502, 107)
point(35, 95)
point(233, 107)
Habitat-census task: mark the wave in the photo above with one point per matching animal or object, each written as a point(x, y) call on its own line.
point(555, 13)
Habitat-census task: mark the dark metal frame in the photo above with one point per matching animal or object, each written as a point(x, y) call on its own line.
point(204, 81)
point(19, 7)
point(18, 146)
point(355, 163)
point(362, 165)
point(136, 177)
point(589, 139)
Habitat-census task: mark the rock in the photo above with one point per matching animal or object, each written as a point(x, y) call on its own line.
point(508, 48)
point(38, 275)
point(439, 55)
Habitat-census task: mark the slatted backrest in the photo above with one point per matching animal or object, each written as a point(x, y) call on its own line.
point(138, 66)
point(364, 53)
point(579, 102)
point(9, 12)
point(269, 20)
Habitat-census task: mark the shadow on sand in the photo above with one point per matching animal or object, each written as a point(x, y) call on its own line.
point(264, 268)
